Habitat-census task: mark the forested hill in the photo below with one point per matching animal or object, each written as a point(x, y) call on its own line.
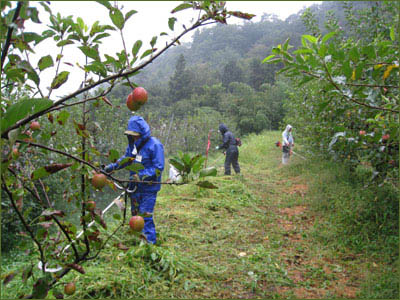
point(214, 47)
point(219, 77)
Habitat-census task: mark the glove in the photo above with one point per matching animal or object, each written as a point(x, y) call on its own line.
point(216, 148)
point(108, 168)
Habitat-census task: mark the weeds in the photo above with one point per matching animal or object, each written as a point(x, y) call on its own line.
point(307, 230)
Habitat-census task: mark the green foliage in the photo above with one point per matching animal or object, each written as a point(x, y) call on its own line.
point(347, 95)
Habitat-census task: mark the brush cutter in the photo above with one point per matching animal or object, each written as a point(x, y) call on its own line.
point(278, 144)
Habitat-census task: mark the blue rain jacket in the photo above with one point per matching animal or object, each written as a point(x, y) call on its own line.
point(151, 154)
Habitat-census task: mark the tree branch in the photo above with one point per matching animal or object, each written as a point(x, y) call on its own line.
point(106, 79)
point(354, 99)
point(36, 195)
point(9, 34)
point(42, 258)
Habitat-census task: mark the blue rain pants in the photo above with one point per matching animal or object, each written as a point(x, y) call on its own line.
point(144, 203)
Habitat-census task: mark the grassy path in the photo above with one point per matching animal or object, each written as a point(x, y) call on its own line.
point(260, 235)
point(254, 236)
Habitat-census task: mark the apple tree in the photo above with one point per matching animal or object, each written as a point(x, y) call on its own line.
point(346, 97)
point(36, 162)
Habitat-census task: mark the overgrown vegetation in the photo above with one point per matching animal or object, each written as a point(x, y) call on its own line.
point(306, 230)
point(326, 227)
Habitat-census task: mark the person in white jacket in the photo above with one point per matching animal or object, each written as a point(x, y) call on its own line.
point(287, 144)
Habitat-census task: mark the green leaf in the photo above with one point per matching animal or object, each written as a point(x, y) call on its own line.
point(40, 288)
point(13, 135)
point(45, 62)
point(268, 58)
point(135, 167)
point(273, 61)
point(347, 70)
point(62, 117)
point(171, 23)
point(33, 13)
point(39, 173)
point(369, 51)
point(177, 163)
point(303, 51)
point(392, 33)
point(80, 22)
point(117, 17)
point(32, 36)
point(353, 54)
point(125, 160)
point(153, 41)
point(32, 75)
point(130, 14)
point(148, 52)
point(91, 52)
point(206, 185)
point(113, 155)
point(60, 80)
point(116, 216)
point(101, 36)
point(181, 7)
point(305, 80)
point(212, 171)
point(327, 37)
point(322, 51)
point(136, 47)
point(21, 109)
point(97, 68)
point(310, 38)
point(105, 3)
point(64, 42)
point(286, 44)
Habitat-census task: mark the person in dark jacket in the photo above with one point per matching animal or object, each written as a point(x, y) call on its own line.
point(149, 152)
point(232, 151)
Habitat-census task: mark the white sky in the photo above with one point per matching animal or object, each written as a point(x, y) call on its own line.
point(151, 19)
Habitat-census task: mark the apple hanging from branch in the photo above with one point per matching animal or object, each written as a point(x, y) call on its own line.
point(136, 98)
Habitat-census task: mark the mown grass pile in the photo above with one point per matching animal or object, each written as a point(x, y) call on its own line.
point(306, 230)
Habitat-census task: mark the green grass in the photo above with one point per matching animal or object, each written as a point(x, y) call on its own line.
point(306, 230)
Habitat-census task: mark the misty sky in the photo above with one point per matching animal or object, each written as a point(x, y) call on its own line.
point(151, 20)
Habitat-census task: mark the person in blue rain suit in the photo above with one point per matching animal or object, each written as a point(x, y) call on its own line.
point(149, 152)
point(229, 144)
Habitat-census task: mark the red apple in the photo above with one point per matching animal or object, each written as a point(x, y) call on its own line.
point(136, 223)
point(15, 153)
point(34, 126)
point(362, 132)
point(136, 99)
point(385, 137)
point(91, 205)
point(99, 180)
